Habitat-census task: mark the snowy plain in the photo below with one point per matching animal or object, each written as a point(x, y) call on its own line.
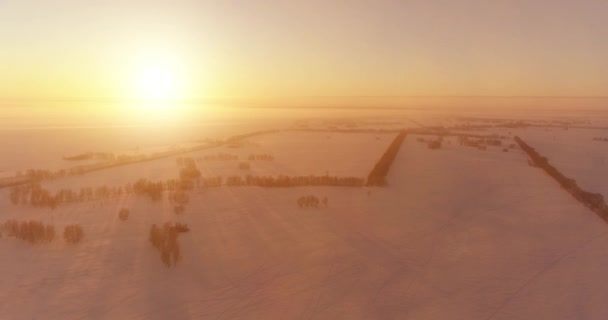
point(458, 233)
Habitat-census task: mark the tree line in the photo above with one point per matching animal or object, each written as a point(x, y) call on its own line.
point(91, 155)
point(261, 156)
point(220, 157)
point(294, 181)
point(480, 143)
point(36, 195)
point(593, 201)
point(377, 177)
point(36, 232)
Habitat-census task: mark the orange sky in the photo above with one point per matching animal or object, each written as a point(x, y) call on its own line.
point(243, 50)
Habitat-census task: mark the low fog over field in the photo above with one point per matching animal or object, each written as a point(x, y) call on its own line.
point(330, 213)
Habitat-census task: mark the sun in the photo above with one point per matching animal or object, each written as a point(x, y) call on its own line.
point(157, 81)
point(158, 84)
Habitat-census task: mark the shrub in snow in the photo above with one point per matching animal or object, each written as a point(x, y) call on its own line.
point(164, 239)
point(189, 169)
point(308, 201)
point(178, 209)
point(73, 233)
point(436, 144)
point(244, 166)
point(189, 173)
point(179, 197)
point(181, 227)
point(123, 214)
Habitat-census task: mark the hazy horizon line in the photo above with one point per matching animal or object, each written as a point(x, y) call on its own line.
point(288, 99)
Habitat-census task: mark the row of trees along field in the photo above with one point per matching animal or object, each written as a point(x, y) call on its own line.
point(227, 157)
point(44, 174)
point(36, 232)
point(481, 143)
point(593, 201)
point(40, 174)
point(377, 177)
point(432, 143)
point(293, 181)
point(261, 156)
point(219, 157)
point(190, 178)
point(36, 195)
point(33, 232)
point(115, 160)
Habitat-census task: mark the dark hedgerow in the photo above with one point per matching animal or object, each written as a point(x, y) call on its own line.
point(593, 201)
point(377, 177)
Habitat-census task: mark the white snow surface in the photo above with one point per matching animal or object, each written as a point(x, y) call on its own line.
point(295, 154)
point(459, 233)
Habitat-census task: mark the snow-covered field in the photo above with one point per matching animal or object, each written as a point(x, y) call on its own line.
point(295, 154)
point(459, 233)
point(44, 147)
point(492, 238)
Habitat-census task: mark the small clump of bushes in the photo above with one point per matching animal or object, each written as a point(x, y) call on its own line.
point(179, 197)
point(262, 156)
point(189, 169)
point(164, 239)
point(311, 201)
point(179, 209)
point(123, 214)
point(152, 189)
point(435, 144)
point(73, 233)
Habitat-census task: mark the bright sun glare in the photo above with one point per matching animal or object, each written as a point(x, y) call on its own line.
point(157, 82)
point(156, 86)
